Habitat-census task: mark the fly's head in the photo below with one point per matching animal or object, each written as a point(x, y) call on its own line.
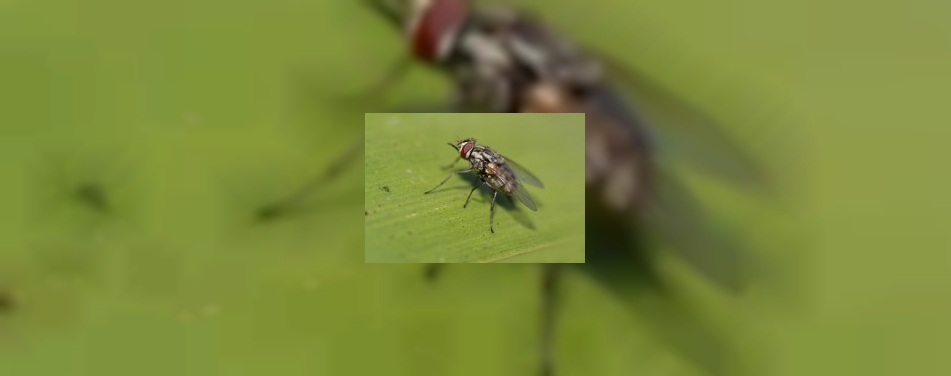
point(430, 25)
point(464, 147)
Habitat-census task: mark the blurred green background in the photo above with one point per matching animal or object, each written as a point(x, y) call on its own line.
point(407, 154)
point(189, 115)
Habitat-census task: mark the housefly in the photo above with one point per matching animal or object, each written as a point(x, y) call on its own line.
point(508, 60)
point(495, 170)
point(502, 59)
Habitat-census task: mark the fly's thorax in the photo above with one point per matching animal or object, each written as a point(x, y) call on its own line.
point(486, 154)
point(487, 53)
point(498, 60)
point(477, 165)
point(478, 153)
point(617, 164)
point(529, 44)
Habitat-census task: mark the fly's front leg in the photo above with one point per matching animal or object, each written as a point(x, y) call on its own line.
point(492, 211)
point(336, 168)
point(454, 161)
point(470, 193)
point(447, 179)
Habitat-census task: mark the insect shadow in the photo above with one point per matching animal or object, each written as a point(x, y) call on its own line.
point(485, 193)
point(625, 261)
point(7, 303)
point(77, 184)
point(310, 98)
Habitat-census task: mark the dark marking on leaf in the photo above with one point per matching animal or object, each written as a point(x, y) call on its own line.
point(6, 303)
point(269, 212)
point(93, 195)
point(432, 272)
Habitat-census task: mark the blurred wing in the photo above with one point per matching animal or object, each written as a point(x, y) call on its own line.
point(679, 220)
point(684, 131)
point(522, 174)
point(522, 195)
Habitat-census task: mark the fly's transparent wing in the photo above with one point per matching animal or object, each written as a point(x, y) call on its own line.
point(522, 195)
point(522, 174)
point(682, 130)
point(520, 192)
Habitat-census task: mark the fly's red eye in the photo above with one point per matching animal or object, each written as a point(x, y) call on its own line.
point(464, 151)
point(434, 24)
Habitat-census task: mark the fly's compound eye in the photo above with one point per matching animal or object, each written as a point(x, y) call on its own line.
point(434, 25)
point(465, 150)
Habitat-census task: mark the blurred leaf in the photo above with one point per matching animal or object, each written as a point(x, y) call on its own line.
point(406, 155)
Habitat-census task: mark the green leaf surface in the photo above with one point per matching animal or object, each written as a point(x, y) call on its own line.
point(407, 155)
point(190, 115)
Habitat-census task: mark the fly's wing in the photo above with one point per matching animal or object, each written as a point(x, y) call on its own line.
point(682, 131)
point(522, 195)
point(522, 174)
point(520, 192)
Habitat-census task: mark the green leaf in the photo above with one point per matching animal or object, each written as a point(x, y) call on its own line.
point(407, 155)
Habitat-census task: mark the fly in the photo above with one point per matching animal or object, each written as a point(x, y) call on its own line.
point(495, 170)
point(505, 60)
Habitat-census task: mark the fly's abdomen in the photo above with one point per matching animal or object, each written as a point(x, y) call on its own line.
point(497, 179)
point(616, 165)
point(509, 186)
point(617, 155)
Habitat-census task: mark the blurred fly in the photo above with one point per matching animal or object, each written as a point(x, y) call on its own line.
point(507, 60)
point(495, 170)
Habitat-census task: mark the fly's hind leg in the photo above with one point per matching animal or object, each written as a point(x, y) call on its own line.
point(447, 179)
point(470, 194)
point(454, 161)
point(492, 211)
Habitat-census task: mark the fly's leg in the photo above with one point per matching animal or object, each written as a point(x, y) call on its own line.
point(447, 179)
point(470, 194)
point(492, 211)
point(278, 208)
point(454, 161)
point(394, 73)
